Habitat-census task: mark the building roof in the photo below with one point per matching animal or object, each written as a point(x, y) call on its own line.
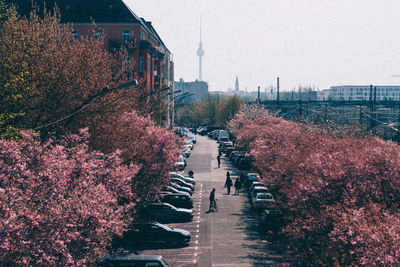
point(82, 11)
point(88, 11)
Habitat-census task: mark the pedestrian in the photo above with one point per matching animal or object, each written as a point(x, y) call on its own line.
point(219, 160)
point(228, 183)
point(238, 186)
point(213, 204)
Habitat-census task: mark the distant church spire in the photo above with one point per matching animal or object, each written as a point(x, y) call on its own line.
point(200, 53)
point(237, 84)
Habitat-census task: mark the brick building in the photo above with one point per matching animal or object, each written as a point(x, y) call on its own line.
point(121, 28)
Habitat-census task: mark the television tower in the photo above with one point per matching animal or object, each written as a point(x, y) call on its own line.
point(200, 53)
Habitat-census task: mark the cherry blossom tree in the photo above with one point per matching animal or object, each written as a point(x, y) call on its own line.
point(339, 193)
point(59, 203)
point(153, 148)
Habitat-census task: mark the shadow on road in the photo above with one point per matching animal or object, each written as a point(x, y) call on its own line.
point(268, 250)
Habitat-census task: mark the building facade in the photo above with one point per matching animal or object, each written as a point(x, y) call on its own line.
point(120, 29)
point(190, 92)
point(363, 92)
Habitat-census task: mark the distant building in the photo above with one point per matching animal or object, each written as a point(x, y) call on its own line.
point(362, 92)
point(190, 92)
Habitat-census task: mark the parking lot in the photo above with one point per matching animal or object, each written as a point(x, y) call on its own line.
point(229, 237)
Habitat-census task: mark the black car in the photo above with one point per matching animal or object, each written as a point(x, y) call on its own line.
point(153, 232)
point(271, 220)
point(134, 260)
point(164, 212)
point(178, 200)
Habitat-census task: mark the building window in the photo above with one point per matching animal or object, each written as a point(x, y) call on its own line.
point(74, 34)
point(126, 36)
point(97, 35)
point(141, 64)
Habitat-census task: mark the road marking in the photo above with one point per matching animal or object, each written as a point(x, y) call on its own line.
point(197, 230)
point(197, 236)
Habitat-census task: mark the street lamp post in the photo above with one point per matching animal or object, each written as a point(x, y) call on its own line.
point(87, 102)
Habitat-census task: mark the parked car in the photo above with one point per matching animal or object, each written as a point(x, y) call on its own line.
point(141, 232)
point(186, 152)
point(181, 188)
point(178, 200)
point(262, 201)
point(189, 144)
point(271, 220)
point(192, 138)
point(180, 164)
point(245, 162)
point(164, 212)
point(229, 150)
point(182, 183)
point(237, 158)
point(171, 189)
point(251, 177)
point(184, 178)
point(254, 184)
point(134, 260)
point(258, 189)
point(205, 130)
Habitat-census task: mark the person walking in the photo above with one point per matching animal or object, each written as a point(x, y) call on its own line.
point(213, 204)
point(238, 186)
point(219, 160)
point(228, 183)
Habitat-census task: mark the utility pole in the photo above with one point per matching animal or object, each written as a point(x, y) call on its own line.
point(398, 126)
point(292, 95)
point(370, 108)
point(277, 90)
point(325, 114)
point(374, 111)
point(258, 96)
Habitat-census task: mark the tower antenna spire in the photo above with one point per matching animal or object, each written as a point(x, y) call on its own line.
point(200, 53)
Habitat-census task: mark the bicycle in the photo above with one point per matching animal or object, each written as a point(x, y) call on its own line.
point(214, 206)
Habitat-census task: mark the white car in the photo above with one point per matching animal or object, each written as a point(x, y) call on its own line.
point(180, 164)
point(192, 139)
point(263, 201)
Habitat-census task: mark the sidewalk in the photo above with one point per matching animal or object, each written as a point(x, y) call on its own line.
point(235, 237)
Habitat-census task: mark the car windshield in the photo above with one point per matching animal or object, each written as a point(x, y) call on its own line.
point(253, 176)
point(163, 226)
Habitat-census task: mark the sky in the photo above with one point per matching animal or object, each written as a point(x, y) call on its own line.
point(319, 43)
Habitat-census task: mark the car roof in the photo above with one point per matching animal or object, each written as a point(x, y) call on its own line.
point(133, 257)
point(176, 194)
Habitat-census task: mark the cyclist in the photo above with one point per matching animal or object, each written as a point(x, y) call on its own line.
point(213, 203)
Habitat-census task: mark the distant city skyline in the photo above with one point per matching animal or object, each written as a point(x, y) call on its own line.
point(321, 43)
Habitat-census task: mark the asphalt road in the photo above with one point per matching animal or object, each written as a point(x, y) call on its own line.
point(229, 237)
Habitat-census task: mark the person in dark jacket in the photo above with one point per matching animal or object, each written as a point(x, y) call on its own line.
point(238, 186)
point(228, 182)
point(219, 160)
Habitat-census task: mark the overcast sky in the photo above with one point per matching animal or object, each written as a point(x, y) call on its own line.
point(316, 42)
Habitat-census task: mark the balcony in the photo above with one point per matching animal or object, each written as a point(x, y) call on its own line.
point(145, 45)
point(117, 44)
